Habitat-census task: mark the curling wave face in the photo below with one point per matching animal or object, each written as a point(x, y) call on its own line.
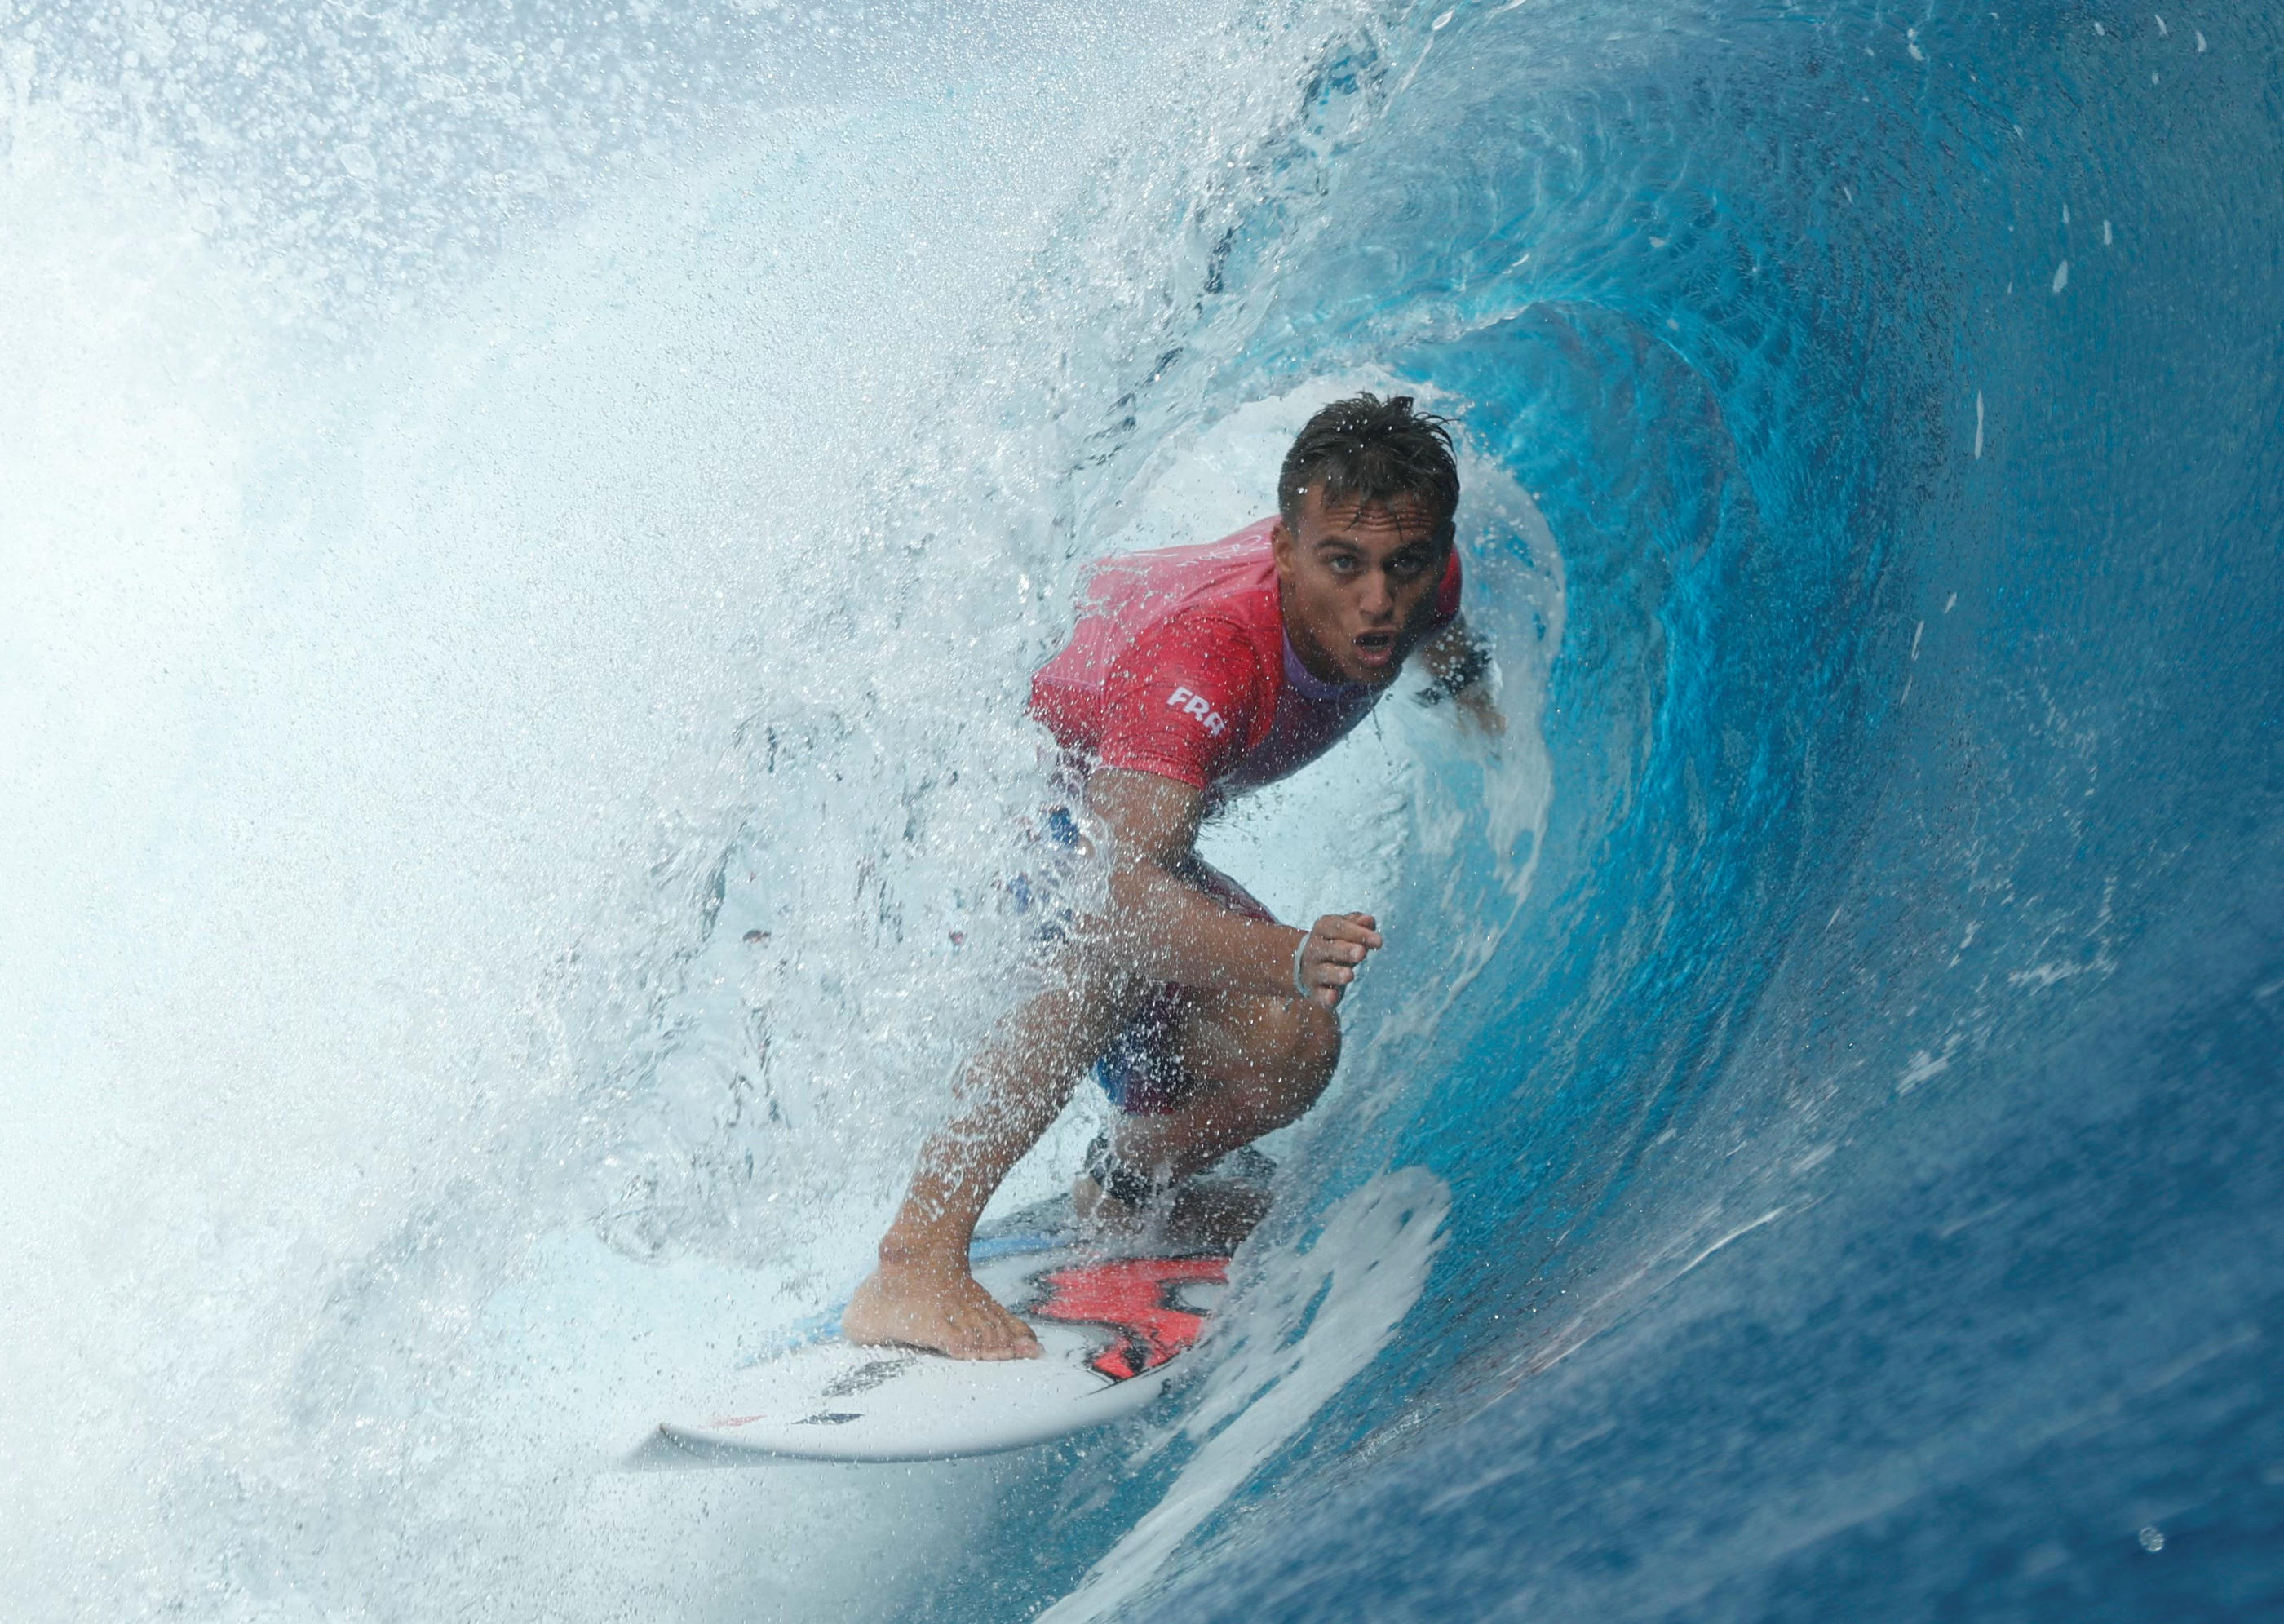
point(510, 851)
point(1862, 1149)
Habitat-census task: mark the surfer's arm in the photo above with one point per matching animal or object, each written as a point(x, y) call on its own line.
point(1162, 928)
point(1459, 665)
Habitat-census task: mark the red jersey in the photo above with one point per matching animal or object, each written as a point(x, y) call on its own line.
point(1180, 666)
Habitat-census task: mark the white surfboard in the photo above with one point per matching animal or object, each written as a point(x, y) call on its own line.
point(1112, 1327)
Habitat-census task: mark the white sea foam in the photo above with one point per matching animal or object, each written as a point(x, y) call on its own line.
point(376, 715)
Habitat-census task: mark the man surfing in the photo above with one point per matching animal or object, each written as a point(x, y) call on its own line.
point(1195, 674)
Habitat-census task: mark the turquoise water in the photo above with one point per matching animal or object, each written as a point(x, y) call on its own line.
point(525, 561)
point(1905, 395)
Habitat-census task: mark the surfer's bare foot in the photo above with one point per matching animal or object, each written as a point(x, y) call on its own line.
point(1093, 1207)
point(1212, 1215)
point(1216, 1215)
point(935, 1305)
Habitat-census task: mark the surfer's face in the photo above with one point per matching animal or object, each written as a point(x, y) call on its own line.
point(1358, 584)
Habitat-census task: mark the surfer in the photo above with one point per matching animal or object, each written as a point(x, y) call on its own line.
point(1195, 674)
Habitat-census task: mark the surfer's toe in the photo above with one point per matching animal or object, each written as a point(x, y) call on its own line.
point(980, 1340)
point(981, 1328)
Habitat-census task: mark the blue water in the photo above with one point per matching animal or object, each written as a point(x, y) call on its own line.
point(1858, 1170)
point(1914, 875)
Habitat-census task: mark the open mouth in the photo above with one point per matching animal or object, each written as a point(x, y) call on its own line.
point(1376, 648)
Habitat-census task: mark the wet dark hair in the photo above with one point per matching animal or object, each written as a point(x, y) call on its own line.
point(1374, 452)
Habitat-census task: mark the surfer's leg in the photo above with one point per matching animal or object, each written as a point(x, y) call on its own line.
point(1007, 1094)
point(1249, 1065)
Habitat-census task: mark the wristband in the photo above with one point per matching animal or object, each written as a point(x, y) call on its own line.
point(1473, 664)
point(1299, 948)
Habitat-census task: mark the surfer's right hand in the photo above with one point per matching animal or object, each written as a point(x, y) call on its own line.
point(935, 1304)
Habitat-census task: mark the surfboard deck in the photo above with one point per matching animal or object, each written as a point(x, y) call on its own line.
point(1113, 1320)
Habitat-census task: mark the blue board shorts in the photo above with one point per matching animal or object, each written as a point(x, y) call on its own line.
point(1139, 1069)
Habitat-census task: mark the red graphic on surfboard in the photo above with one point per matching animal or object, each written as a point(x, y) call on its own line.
point(1133, 1297)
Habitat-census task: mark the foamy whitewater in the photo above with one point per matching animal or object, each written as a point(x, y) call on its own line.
point(525, 532)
